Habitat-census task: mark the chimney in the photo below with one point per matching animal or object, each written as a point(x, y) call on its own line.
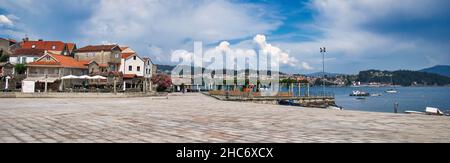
point(40, 40)
point(26, 39)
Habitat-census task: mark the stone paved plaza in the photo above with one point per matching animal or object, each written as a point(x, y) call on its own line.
point(198, 118)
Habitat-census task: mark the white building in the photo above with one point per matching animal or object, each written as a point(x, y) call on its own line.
point(148, 68)
point(132, 64)
point(24, 56)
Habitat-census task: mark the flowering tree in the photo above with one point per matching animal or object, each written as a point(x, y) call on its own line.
point(162, 81)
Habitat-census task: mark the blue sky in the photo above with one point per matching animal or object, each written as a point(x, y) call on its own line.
point(363, 34)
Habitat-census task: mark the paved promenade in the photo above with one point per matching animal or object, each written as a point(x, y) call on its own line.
point(198, 118)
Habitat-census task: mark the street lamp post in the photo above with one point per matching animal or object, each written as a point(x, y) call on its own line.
point(323, 50)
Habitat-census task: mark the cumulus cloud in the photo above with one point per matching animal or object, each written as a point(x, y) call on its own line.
point(4, 20)
point(260, 47)
point(374, 34)
point(175, 24)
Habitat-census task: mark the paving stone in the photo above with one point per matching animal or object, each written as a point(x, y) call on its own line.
point(191, 118)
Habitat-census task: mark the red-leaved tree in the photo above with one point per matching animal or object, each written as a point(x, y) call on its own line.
point(162, 81)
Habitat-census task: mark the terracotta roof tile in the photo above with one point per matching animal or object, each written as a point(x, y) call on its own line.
point(32, 52)
point(97, 48)
point(61, 61)
point(103, 65)
point(127, 55)
point(129, 76)
point(47, 45)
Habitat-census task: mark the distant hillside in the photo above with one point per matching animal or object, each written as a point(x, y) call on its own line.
point(443, 70)
point(327, 74)
point(164, 68)
point(403, 77)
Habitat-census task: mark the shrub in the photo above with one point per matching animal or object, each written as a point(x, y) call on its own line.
point(162, 81)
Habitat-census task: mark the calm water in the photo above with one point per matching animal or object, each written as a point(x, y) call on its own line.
point(409, 98)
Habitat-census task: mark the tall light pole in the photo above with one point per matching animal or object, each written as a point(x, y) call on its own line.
point(323, 50)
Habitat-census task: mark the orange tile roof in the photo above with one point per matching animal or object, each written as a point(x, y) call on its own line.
point(97, 48)
point(47, 45)
point(70, 47)
point(129, 76)
point(33, 52)
point(60, 61)
point(85, 62)
point(103, 65)
point(127, 55)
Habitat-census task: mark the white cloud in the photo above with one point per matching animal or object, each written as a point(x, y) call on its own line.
point(258, 45)
point(345, 29)
point(174, 24)
point(4, 20)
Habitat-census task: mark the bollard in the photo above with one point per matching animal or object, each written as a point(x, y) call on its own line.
point(395, 107)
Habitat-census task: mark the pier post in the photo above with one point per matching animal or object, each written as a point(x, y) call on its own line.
point(307, 85)
point(292, 89)
point(395, 107)
point(115, 83)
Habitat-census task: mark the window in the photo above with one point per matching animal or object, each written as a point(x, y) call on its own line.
point(138, 68)
point(116, 55)
point(24, 60)
point(134, 58)
point(53, 47)
point(33, 46)
point(130, 68)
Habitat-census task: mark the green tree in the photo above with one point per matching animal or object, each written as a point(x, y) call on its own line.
point(20, 68)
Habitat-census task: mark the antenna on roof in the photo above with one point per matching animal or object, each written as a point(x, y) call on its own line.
point(26, 38)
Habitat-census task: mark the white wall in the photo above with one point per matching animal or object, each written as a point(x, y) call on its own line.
point(13, 60)
point(19, 59)
point(148, 71)
point(125, 63)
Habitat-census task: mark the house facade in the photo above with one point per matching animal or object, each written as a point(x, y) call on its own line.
point(49, 69)
point(131, 63)
point(108, 57)
point(5, 45)
point(24, 56)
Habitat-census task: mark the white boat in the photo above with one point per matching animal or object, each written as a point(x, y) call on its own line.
point(359, 93)
point(415, 112)
point(391, 91)
point(433, 111)
point(334, 108)
point(375, 94)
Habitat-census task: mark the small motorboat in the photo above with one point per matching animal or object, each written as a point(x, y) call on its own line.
point(415, 112)
point(391, 91)
point(433, 111)
point(375, 94)
point(359, 93)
